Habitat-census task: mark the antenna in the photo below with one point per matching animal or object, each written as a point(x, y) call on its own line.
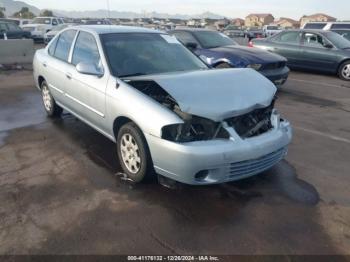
point(109, 13)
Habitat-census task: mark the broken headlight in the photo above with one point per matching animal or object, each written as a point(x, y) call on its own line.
point(194, 129)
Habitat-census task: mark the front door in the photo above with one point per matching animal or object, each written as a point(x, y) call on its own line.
point(316, 53)
point(87, 92)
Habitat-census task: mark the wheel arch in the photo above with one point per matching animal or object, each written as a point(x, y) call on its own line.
point(342, 62)
point(41, 79)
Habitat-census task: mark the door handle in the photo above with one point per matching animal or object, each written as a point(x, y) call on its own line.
point(69, 76)
point(44, 64)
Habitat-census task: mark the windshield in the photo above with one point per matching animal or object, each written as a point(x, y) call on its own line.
point(43, 21)
point(132, 54)
point(338, 40)
point(211, 39)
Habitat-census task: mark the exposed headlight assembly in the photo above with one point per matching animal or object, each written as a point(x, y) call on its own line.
point(194, 129)
point(257, 67)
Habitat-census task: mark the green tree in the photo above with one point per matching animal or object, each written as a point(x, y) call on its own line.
point(24, 13)
point(46, 13)
point(1, 14)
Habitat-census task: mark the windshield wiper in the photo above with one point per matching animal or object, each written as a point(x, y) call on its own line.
point(135, 74)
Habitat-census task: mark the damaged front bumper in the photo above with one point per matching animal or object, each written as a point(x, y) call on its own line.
point(220, 161)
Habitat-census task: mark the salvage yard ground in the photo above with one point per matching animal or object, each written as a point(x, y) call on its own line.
point(59, 193)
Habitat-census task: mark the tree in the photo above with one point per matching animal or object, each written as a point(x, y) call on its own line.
point(46, 13)
point(1, 14)
point(24, 13)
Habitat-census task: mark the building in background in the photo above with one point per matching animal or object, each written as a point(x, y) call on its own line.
point(316, 18)
point(258, 20)
point(288, 23)
point(237, 22)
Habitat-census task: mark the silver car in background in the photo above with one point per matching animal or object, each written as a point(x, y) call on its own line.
point(167, 111)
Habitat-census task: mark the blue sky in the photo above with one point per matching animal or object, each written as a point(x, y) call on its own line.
point(230, 8)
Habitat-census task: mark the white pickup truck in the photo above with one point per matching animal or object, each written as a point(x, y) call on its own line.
point(41, 25)
point(270, 30)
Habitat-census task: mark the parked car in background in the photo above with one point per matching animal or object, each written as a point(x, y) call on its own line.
point(343, 32)
point(17, 21)
point(327, 25)
point(55, 30)
point(41, 25)
point(270, 30)
point(10, 30)
point(219, 51)
point(97, 22)
point(233, 31)
point(253, 32)
point(162, 105)
point(318, 50)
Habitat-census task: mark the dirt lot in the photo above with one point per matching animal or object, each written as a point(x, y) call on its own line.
point(59, 193)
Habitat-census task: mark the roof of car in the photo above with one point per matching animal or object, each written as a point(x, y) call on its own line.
point(189, 29)
point(108, 29)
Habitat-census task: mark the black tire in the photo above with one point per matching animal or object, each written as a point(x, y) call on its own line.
point(54, 110)
point(144, 170)
point(223, 65)
point(341, 72)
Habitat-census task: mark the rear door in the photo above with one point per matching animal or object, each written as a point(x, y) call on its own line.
point(315, 53)
point(56, 65)
point(287, 44)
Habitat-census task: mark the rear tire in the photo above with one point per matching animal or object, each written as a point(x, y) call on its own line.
point(344, 71)
point(52, 109)
point(133, 153)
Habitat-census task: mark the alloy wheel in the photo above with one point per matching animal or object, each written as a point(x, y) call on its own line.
point(47, 99)
point(346, 71)
point(130, 153)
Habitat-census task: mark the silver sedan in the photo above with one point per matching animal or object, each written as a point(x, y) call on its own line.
point(168, 113)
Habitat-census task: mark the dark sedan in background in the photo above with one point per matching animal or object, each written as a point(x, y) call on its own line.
point(12, 31)
point(219, 51)
point(318, 50)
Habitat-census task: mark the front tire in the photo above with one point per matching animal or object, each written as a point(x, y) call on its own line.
point(133, 153)
point(51, 108)
point(344, 71)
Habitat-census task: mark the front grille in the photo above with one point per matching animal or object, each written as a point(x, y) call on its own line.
point(29, 29)
point(273, 66)
point(255, 166)
point(254, 123)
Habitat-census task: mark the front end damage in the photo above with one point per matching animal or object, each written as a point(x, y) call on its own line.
point(215, 148)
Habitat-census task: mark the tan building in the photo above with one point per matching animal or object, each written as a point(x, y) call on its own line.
point(286, 22)
point(237, 22)
point(258, 20)
point(316, 18)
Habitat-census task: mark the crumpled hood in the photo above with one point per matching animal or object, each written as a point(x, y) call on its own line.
point(217, 94)
point(249, 54)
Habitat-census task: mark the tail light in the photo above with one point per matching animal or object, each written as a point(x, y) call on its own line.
point(250, 44)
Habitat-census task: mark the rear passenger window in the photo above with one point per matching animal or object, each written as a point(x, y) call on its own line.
point(86, 50)
point(64, 44)
point(341, 26)
point(52, 47)
point(288, 38)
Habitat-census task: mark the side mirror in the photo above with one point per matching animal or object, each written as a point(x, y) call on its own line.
point(191, 46)
point(328, 45)
point(89, 69)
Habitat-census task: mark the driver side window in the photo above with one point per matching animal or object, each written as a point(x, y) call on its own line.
point(314, 40)
point(86, 50)
point(185, 37)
